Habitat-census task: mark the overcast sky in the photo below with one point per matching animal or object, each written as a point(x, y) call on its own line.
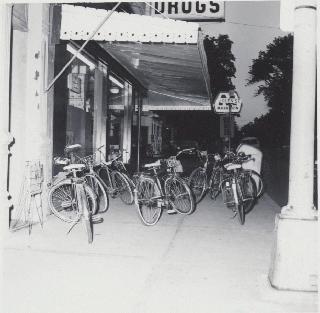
point(247, 42)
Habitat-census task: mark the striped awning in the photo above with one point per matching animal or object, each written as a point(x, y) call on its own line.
point(165, 55)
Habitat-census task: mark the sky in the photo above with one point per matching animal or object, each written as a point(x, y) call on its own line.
point(248, 40)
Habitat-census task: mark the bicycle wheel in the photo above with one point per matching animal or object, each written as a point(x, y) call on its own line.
point(248, 192)
point(99, 188)
point(148, 194)
point(63, 204)
point(258, 183)
point(122, 186)
point(104, 174)
point(180, 195)
point(197, 183)
point(239, 205)
point(86, 212)
point(214, 184)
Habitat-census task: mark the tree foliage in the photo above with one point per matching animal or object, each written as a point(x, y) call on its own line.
point(272, 71)
point(220, 61)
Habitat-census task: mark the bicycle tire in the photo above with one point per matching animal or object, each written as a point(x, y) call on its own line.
point(248, 192)
point(99, 188)
point(148, 209)
point(179, 194)
point(104, 173)
point(258, 183)
point(214, 184)
point(239, 207)
point(197, 183)
point(86, 212)
point(62, 201)
point(123, 187)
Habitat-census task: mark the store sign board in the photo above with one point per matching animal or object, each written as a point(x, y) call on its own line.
point(190, 10)
point(224, 102)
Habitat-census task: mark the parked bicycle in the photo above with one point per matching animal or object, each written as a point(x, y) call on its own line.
point(116, 178)
point(71, 199)
point(160, 187)
point(201, 180)
point(238, 187)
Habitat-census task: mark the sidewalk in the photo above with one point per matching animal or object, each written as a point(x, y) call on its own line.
point(205, 262)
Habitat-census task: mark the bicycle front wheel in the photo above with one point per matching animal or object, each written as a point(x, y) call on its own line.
point(239, 204)
point(179, 194)
point(99, 189)
point(214, 184)
point(123, 187)
point(63, 203)
point(148, 195)
point(197, 183)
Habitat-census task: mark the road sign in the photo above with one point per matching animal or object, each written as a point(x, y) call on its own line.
point(226, 129)
point(224, 100)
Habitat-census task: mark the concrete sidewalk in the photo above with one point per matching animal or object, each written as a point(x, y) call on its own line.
point(205, 262)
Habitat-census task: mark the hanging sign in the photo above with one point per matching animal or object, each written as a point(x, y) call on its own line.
point(77, 86)
point(226, 101)
point(190, 10)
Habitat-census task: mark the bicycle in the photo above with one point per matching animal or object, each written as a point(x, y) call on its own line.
point(200, 184)
point(238, 188)
point(116, 179)
point(153, 194)
point(72, 200)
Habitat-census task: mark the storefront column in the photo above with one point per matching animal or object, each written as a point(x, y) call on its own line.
point(139, 131)
point(126, 146)
point(38, 125)
point(294, 259)
point(99, 115)
point(5, 136)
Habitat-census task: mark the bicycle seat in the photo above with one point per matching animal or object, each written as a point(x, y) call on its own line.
point(74, 167)
point(72, 147)
point(155, 164)
point(232, 166)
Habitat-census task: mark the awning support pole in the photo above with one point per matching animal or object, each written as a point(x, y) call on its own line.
point(139, 132)
point(82, 47)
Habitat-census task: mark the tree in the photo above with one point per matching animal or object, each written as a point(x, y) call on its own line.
point(220, 61)
point(272, 70)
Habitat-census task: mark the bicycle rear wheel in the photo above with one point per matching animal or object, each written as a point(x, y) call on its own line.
point(179, 194)
point(239, 207)
point(123, 187)
point(197, 183)
point(258, 183)
point(99, 188)
point(63, 202)
point(148, 194)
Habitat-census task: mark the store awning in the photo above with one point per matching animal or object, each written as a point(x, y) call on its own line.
point(165, 55)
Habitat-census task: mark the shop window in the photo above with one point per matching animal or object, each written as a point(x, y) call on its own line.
point(115, 124)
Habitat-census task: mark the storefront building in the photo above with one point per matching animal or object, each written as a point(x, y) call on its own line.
point(104, 97)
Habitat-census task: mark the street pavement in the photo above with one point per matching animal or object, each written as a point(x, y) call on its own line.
point(202, 263)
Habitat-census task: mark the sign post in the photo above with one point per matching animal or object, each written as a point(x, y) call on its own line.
point(228, 103)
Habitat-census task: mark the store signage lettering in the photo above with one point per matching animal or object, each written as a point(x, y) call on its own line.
point(191, 10)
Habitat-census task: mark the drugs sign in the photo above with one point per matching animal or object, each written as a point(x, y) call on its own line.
point(226, 101)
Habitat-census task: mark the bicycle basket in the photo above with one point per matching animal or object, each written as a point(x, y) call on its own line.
point(87, 160)
point(175, 164)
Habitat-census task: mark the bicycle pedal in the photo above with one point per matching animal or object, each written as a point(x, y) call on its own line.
point(97, 219)
point(171, 211)
point(235, 214)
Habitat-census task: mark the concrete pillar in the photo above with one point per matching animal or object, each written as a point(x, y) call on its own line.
point(293, 265)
